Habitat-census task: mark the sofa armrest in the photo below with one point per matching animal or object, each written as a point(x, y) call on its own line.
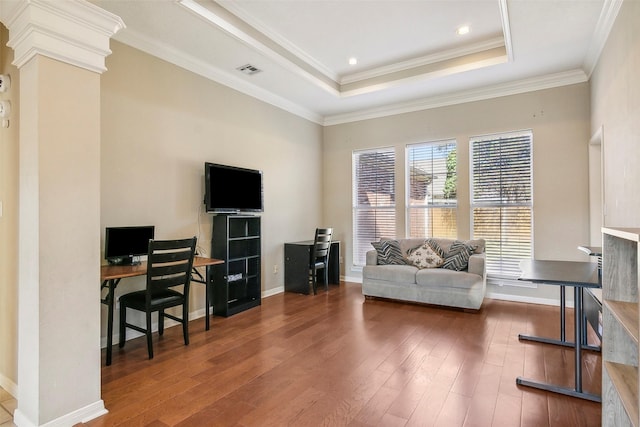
point(477, 264)
point(372, 257)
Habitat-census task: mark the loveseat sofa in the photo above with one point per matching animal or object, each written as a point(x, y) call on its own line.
point(391, 271)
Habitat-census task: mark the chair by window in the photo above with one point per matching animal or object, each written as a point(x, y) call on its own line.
point(320, 257)
point(168, 266)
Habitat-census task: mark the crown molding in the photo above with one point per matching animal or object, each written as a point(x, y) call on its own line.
point(454, 65)
point(488, 92)
point(423, 61)
point(73, 31)
point(604, 25)
point(201, 68)
point(506, 28)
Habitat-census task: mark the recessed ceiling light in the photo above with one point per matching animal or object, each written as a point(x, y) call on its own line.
point(353, 60)
point(464, 29)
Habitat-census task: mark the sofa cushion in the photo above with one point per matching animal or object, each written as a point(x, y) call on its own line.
point(393, 273)
point(441, 277)
point(458, 256)
point(428, 255)
point(389, 252)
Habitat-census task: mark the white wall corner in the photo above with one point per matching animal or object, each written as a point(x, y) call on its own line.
point(74, 31)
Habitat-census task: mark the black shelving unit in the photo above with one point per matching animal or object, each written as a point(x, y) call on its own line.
point(236, 240)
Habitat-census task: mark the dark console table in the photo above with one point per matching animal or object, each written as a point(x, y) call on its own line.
point(296, 266)
point(579, 275)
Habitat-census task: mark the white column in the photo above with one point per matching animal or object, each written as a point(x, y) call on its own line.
point(59, 48)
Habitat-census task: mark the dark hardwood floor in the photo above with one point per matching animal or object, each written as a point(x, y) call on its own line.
point(335, 359)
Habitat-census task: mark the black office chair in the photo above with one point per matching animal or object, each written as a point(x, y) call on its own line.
point(169, 265)
point(320, 257)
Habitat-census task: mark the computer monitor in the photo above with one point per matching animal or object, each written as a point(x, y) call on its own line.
point(125, 245)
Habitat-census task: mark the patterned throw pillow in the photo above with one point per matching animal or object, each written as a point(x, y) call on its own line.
point(436, 247)
point(425, 257)
point(389, 252)
point(458, 256)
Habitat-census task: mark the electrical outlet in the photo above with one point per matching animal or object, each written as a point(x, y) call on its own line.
point(275, 269)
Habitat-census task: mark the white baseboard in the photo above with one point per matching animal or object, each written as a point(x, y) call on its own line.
point(9, 386)
point(81, 415)
point(273, 291)
point(351, 279)
point(527, 299)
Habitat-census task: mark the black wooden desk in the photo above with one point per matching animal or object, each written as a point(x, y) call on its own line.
point(296, 265)
point(578, 275)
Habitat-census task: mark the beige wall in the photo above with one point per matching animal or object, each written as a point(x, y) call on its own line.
point(9, 226)
point(161, 123)
point(616, 108)
point(559, 119)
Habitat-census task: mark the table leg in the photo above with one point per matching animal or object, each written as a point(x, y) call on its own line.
point(577, 345)
point(207, 297)
point(563, 334)
point(110, 308)
point(563, 304)
point(577, 298)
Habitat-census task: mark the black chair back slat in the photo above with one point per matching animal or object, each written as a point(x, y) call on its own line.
point(164, 257)
point(167, 282)
point(169, 270)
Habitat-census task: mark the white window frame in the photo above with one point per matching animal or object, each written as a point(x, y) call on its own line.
point(508, 267)
point(388, 228)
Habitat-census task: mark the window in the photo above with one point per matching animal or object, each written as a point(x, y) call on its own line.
point(431, 189)
point(374, 200)
point(502, 200)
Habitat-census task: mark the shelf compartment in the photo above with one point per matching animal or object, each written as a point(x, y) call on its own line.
point(625, 381)
point(627, 314)
point(241, 227)
point(244, 248)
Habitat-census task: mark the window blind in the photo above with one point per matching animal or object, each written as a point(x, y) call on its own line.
point(432, 189)
point(374, 198)
point(502, 200)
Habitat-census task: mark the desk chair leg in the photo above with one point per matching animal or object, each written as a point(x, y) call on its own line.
point(160, 322)
point(148, 333)
point(185, 323)
point(326, 278)
point(314, 280)
point(123, 322)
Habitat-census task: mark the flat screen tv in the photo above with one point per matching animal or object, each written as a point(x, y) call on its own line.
point(230, 189)
point(125, 245)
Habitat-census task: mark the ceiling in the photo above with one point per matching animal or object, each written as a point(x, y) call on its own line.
point(409, 55)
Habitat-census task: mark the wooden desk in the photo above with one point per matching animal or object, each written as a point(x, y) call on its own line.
point(296, 265)
point(578, 275)
point(110, 276)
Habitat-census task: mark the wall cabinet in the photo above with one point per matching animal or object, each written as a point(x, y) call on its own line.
point(236, 283)
point(620, 326)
